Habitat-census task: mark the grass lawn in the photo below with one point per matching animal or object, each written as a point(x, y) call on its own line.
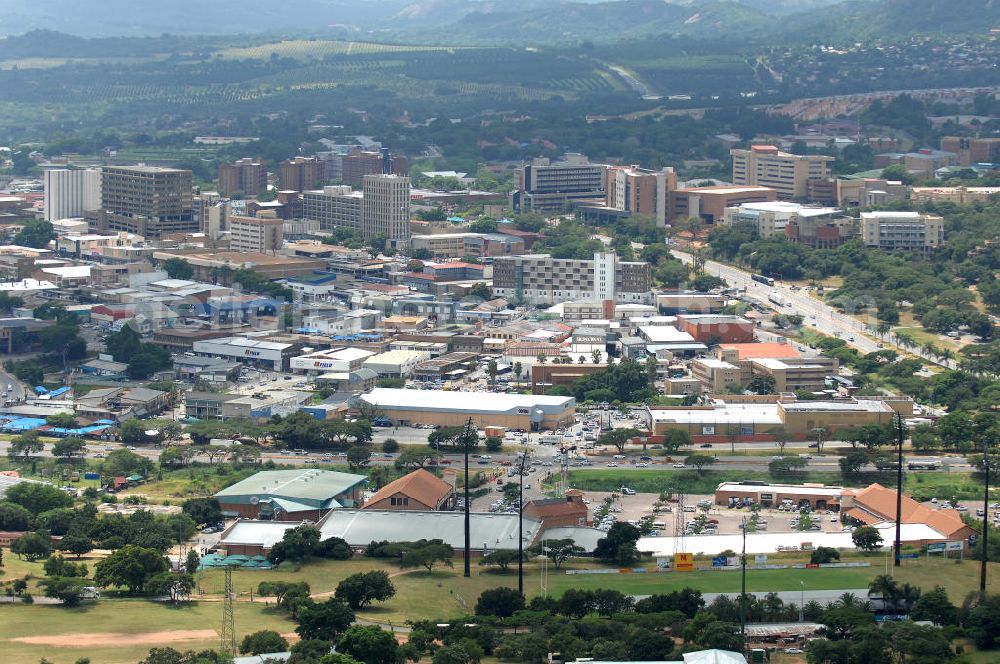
point(441, 595)
point(922, 336)
point(657, 480)
point(130, 617)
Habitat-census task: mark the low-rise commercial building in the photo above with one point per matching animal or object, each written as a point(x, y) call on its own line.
point(396, 363)
point(449, 366)
point(456, 245)
point(568, 511)
point(957, 195)
point(821, 227)
point(257, 406)
point(713, 329)
point(767, 417)
point(765, 494)
point(257, 352)
point(420, 491)
point(291, 495)
point(338, 359)
point(709, 203)
point(512, 411)
point(689, 303)
point(716, 375)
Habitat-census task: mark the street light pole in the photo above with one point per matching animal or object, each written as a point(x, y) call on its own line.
point(900, 434)
point(520, 524)
point(743, 589)
point(802, 600)
point(466, 443)
point(986, 514)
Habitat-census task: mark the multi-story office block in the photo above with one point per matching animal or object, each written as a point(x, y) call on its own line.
point(355, 166)
point(336, 206)
point(456, 245)
point(259, 235)
point(243, 176)
point(301, 173)
point(544, 186)
point(821, 227)
point(146, 200)
point(385, 208)
point(70, 193)
point(786, 173)
point(902, 230)
point(972, 150)
point(542, 279)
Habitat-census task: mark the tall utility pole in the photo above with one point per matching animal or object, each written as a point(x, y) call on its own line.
point(466, 444)
point(228, 645)
point(900, 435)
point(986, 514)
point(743, 586)
point(520, 524)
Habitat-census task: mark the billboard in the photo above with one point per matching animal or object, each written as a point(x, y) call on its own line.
point(683, 562)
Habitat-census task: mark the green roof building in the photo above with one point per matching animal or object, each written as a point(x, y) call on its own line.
point(291, 495)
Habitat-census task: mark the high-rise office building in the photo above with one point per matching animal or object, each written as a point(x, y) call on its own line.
point(640, 191)
point(243, 176)
point(261, 235)
point(70, 193)
point(146, 200)
point(545, 186)
point(788, 174)
point(386, 207)
point(335, 206)
point(301, 174)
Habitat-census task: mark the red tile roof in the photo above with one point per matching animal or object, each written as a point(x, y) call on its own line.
point(420, 485)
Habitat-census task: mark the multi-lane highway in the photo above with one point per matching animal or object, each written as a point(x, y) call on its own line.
point(814, 312)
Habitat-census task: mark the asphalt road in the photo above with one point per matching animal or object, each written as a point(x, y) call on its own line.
point(815, 313)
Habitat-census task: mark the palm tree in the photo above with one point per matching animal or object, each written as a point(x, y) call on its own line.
point(596, 355)
point(848, 600)
point(908, 596)
point(886, 587)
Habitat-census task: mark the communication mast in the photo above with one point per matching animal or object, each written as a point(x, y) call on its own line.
point(228, 645)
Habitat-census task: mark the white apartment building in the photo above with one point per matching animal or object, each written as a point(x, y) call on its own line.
point(544, 280)
point(385, 208)
point(259, 235)
point(70, 193)
point(891, 230)
point(786, 173)
point(336, 206)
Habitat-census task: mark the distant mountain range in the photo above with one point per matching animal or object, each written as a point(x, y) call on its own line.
point(503, 21)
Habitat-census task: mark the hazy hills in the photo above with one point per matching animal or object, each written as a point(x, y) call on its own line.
point(502, 21)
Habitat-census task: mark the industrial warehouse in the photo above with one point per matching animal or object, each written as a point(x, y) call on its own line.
point(444, 408)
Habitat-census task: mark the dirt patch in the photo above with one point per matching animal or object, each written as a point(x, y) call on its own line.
point(118, 639)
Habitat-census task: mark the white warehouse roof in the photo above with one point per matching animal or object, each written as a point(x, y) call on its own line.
point(476, 402)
